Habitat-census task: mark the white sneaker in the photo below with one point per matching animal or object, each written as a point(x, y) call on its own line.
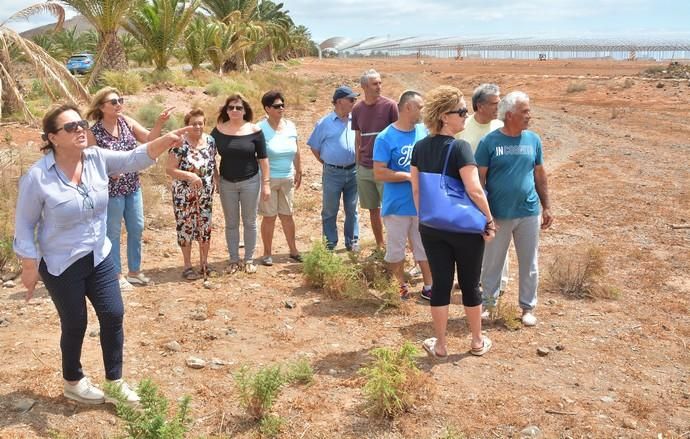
point(84, 392)
point(124, 285)
point(528, 319)
point(131, 397)
point(138, 279)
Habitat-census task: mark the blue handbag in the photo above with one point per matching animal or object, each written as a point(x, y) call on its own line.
point(444, 204)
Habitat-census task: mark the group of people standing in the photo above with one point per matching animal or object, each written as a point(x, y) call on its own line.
point(76, 197)
point(376, 149)
point(71, 203)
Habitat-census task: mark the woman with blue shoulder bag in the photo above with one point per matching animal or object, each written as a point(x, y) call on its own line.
point(454, 216)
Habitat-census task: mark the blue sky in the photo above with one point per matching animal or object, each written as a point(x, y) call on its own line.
point(519, 18)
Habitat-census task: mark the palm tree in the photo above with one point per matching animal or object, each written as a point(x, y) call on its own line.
point(198, 40)
point(240, 30)
point(70, 42)
point(129, 44)
point(52, 74)
point(159, 26)
point(107, 17)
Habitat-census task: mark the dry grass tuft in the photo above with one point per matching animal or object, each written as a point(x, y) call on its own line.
point(575, 87)
point(580, 273)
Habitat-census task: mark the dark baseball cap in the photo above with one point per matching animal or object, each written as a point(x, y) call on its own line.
point(344, 92)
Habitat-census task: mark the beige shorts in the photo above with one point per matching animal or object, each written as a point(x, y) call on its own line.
point(370, 191)
point(280, 202)
point(400, 229)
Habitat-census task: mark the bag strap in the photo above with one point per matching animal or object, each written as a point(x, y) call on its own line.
point(445, 164)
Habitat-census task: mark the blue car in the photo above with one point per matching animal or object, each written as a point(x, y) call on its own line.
point(81, 63)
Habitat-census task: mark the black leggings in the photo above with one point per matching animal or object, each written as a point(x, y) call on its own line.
point(447, 250)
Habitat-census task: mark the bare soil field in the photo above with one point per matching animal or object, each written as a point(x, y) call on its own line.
point(617, 149)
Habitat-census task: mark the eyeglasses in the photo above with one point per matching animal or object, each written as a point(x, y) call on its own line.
point(235, 107)
point(277, 106)
point(84, 192)
point(462, 112)
point(115, 101)
point(71, 127)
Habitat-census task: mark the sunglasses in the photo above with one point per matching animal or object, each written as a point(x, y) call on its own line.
point(461, 112)
point(84, 192)
point(71, 127)
point(115, 101)
point(235, 107)
point(277, 106)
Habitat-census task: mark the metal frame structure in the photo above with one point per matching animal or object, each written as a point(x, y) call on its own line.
point(515, 48)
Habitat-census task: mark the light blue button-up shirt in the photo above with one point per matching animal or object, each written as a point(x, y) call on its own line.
point(71, 219)
point(334, 140)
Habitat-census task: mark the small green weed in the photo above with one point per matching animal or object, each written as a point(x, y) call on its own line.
point(270, 425)
point(451, 433)
point(300, 372)
point(128, 83)
point(258, 391)
point(151, 420)
point(510, 315)
point(393, 381)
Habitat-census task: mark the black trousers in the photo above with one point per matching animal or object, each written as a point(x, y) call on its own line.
point(69, 291)
point(448, 251)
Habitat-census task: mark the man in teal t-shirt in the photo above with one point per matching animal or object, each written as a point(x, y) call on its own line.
point(392, 154)
point(511, 168)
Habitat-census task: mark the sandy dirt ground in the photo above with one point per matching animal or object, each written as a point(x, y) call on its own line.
point(618, 157)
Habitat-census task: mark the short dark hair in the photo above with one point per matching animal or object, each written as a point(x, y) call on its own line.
point(50, 123)
point(406, 97)
point(223, 112)
point(194, 113)
point(270, 97)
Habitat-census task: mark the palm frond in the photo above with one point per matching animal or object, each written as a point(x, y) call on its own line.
point(52, 8)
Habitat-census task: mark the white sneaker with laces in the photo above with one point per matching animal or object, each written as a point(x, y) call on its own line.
point(84, 392)
point(124, 285)
point(131, 397)
point(138, 279)
point(528, 319)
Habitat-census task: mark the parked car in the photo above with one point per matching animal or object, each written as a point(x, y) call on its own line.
point(80, 63)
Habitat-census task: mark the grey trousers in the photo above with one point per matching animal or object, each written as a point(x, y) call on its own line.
point(237, 198)
point(525, 235)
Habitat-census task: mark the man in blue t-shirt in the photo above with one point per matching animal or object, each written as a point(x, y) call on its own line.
point(392, 154)
point(511, 168)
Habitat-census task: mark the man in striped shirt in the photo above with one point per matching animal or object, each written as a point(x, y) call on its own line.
point(370, 117)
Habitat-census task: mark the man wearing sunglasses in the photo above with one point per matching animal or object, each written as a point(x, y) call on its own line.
point(511, 167)
point(333, 144)
point(369, 118)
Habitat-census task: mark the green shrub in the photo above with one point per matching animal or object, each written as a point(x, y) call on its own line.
point(128, 83)
point(151, 420)
point(148, 114)
point(225, 87)
point(324, 269)
point(393, 381)
point(258, 391)
point(300, 372)
point(451, 433)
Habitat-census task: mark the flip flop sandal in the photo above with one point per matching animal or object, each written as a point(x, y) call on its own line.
point(486, 347)
point(296, 258)
point(210, 272)
point(190, 274)
point(429, 346)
